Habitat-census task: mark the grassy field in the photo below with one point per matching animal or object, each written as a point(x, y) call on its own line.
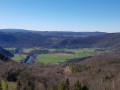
point(11, 85)
point(18, 57)
point(79, 50)
point(27, 50)
point(49, 58)
point(60, 57)
point(10, 49)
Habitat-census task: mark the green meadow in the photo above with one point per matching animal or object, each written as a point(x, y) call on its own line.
point(19, 57)
point(10, 49)
point(79, 50)
point(60, 57)
point(27, 50)
point(8, 85)
point(50, 58)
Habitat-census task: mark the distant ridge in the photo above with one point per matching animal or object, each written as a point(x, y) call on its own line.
point(54, 33)
point(14, 30)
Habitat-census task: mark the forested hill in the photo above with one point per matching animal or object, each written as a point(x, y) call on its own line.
point(101, 41)
point(4, 58)
point(34, 40)
point(5, 52)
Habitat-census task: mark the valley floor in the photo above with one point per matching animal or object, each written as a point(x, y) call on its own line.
point(46, 55)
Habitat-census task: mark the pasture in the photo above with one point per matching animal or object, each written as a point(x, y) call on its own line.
point(27, 50)
point(10, 49)
point(8, 85)
point(52, 58)
point(61, 57)
point(19, 57)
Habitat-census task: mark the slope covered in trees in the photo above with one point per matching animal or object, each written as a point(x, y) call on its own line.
point(96, 73)
point(101, 41)
point(7, 53)
point(37, 40)
point(4, 57)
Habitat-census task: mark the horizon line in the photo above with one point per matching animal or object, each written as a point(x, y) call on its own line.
point(51, 30)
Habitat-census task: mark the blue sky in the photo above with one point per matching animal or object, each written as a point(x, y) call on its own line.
point(61, 15)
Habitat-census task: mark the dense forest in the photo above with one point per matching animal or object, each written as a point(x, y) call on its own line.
point(37, 40)
point(96, 73)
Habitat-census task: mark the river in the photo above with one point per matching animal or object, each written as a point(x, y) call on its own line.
point(29, 59)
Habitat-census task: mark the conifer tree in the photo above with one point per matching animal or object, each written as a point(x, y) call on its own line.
point(77, 86)
point(18, 85)
point(84, 87)
point(61, 86)
point(67, 84)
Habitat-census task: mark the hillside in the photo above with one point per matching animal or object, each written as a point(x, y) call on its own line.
point(4, 57)
point(5, 52)
point(101, 41)
point(103, 72)
point(96, 73)
point(37, 40)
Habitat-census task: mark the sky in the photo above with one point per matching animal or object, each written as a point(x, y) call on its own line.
point(61, 15)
